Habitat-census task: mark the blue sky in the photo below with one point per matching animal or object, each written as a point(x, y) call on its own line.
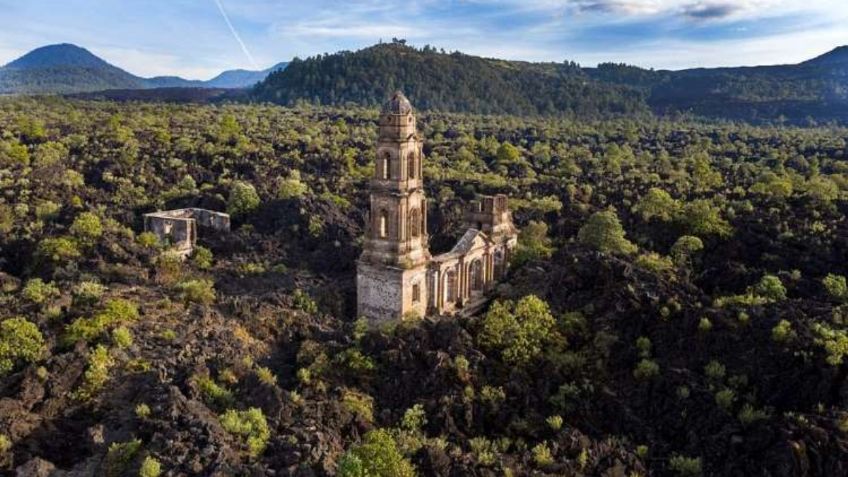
point(193, 39)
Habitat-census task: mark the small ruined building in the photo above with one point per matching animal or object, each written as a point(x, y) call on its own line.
point(178, 228)
point(396, 275)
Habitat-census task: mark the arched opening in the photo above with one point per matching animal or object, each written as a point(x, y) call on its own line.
point(414, 223)
point(416, 293)
point(383, 226)
point(477, 275)
point(411, 166)
point(450, 286)
point(385, 166)
point(499, 263)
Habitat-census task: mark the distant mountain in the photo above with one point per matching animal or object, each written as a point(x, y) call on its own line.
point(66, 68)
point(63, 68)
point(816, 89)
point(242, 78)
point(451, 82)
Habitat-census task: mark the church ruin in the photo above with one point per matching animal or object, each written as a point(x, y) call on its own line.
point(178, 228)
point(396, 275)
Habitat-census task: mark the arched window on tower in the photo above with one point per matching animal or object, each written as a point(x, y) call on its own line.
point(414, 223)
point(383, 225)
point(411, 166)
point(385, 166)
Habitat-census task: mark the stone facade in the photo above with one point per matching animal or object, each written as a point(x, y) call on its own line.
point(396, 275)
point(178, 228)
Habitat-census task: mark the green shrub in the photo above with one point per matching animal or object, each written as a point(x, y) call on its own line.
point(116, 311)
point(702, 218)
point(603, 232)
point(657, 203)
point(250, 426)
point(119, 457)
point(646, 369)
point(39, 292)
point(414, 418)
point(749, 414)
point(533, 243)
point(542, 454)
point(683, 249)
point(212, 392)
point(643, 344)
point(148, 240)
point(836, 287)
point(771, 287)
point(87, 227)
point(142, 411)
point(59, 249)
point(5, 444)
point(376, 456)
point(291, 187)
point(715, 370)
point(303, 302)
point(654, 262)
point(705, 325)
point(554, 422)
point(484, 450)
point(359, 404)
point(685, 466)
point(355, 361)
point(20, 342)
point(266, 376)
point(88, 292)
point(519, 330)
point(782, 331)
point(243, 198)
point(150, 467)
point(202, 257)
point(200, 291)
point(122, 337)
point(725, 398)
point(96, 374)
point(835, 342)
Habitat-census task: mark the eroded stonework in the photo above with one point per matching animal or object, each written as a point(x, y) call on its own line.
point(396, 275)
point(178, 228)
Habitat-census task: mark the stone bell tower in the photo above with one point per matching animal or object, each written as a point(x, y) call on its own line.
point(392, 271)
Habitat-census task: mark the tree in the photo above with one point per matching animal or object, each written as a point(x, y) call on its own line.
point(771, 287)
point(684, 248)
point(517, 330)
point(657, 203)
point(533, 243)
point(243, 198)
point(87, 227)
point(20, 342)
point(376, 456)
point(836, 286)
point(604, 233)
point(701, 217)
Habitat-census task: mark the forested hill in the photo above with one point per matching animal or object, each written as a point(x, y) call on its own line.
point(453, 82)
point(815, 90)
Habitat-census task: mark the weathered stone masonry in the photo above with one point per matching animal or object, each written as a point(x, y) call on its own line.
point(396, 275)
point(178, 228)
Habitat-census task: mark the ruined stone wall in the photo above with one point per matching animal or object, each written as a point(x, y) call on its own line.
point(386, 293)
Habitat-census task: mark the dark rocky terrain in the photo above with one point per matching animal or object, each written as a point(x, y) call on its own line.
point(723, 360)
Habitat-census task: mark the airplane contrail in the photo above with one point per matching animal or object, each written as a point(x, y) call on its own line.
point(235, 34)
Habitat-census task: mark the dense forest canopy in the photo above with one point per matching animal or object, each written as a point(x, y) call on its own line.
point(676, 307)
point(457, 82)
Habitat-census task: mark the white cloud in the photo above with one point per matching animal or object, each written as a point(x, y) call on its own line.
point(148, 63)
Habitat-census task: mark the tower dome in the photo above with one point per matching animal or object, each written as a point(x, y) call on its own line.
point(398, 104)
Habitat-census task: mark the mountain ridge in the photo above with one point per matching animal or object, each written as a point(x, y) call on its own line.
point(816, 89)
point(65, 68)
